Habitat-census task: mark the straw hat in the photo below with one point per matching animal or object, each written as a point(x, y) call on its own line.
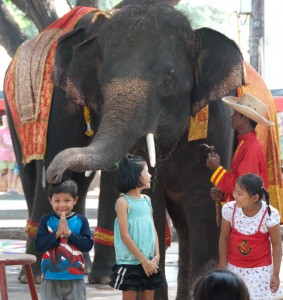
point(250, 107)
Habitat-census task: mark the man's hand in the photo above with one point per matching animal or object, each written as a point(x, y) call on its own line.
point(213, 161)
point(216, 194)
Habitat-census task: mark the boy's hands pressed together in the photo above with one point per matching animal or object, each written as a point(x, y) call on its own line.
point(63, 228)
point(66, 229)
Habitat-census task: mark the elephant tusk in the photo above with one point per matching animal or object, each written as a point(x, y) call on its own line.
point(88, 173)
point(151, 149)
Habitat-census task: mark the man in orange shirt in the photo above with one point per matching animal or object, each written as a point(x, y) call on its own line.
point(249, 156)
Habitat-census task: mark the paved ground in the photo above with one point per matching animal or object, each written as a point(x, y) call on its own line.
point(19, 291)
point(13, 217)
point(12, 222)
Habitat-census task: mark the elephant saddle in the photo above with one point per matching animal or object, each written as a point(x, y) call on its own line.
point(28, 86)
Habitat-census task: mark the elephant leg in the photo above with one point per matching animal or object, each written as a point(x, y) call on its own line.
point(204, 234)
point(36, 268)
point(104, 255)
point(40, 207)
point(159, 214)
point(27, 175)
point(83, 185)
point(28, 180)
point(198, 238)
point(176, 212)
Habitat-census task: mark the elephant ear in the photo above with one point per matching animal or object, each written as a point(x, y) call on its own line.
point(64, 56)
point(82, 81)
point(218, 68)
point(77, 60)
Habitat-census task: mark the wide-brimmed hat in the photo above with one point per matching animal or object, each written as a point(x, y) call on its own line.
point(249, 106)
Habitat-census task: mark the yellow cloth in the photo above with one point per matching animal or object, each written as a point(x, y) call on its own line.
point(198, 125)
point(267, 135)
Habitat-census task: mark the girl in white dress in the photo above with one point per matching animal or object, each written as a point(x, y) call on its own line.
point(250, 240)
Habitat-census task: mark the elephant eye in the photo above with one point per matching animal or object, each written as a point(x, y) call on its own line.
point(168, 81)
point(167, 84)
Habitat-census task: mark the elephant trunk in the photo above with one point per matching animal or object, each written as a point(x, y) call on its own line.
point(125, 119)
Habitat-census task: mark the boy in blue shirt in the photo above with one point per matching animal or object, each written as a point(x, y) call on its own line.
point(63, 235)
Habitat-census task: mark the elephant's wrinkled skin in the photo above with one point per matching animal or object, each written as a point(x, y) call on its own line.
point(66, 129)
point(154, 72)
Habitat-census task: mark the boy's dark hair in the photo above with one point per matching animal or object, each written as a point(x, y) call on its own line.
point(129, 171)
point(220, 285)
point(65, 186)
point(253, 184)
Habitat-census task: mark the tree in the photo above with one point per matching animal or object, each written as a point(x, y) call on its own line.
point(38, 13)
point(8, 25)
point(20, 20)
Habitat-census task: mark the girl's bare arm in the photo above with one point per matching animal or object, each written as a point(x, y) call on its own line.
point(224, 243)
point(156, 257)
point(275, 238)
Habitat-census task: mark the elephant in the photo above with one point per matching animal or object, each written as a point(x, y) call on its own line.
point(66, 128)
point(151, 75)
point(66, 125)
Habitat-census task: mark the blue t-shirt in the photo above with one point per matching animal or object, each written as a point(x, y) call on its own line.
point(62, 258)
point(141, 230)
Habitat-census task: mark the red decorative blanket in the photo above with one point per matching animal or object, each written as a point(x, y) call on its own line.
point(30, 104)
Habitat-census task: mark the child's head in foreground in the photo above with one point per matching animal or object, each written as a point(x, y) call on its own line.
point(220, 285)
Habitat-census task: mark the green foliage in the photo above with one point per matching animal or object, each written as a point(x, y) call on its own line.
point(106, 4)
point(24, 23)
point(102, 4)
point(199, 15)
point(204, 16)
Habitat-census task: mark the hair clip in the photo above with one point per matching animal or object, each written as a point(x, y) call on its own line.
point(130, 156)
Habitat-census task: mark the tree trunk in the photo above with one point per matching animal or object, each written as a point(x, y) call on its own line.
point(41, 13)
point(11, 36)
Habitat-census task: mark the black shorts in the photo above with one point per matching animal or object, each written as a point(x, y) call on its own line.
point(133, 278)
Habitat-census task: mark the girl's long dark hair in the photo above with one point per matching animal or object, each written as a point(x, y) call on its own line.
point(129, 171)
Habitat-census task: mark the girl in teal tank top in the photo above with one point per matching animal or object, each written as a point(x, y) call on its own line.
point(135, 238)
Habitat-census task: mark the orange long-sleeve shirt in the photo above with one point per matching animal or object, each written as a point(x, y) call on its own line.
point(249, 157)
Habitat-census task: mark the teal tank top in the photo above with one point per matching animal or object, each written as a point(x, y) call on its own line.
point(141, 230)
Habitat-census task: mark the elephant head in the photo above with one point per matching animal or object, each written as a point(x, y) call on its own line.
point(151, 72)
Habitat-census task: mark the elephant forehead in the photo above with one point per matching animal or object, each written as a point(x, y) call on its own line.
point(134, 86)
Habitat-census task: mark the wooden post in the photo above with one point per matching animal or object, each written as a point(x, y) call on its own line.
point(257, 36)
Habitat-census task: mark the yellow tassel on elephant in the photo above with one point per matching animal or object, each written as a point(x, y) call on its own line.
point(89, 131)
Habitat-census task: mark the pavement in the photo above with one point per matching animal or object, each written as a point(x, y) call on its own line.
point(13, 216)
point(20, 291)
